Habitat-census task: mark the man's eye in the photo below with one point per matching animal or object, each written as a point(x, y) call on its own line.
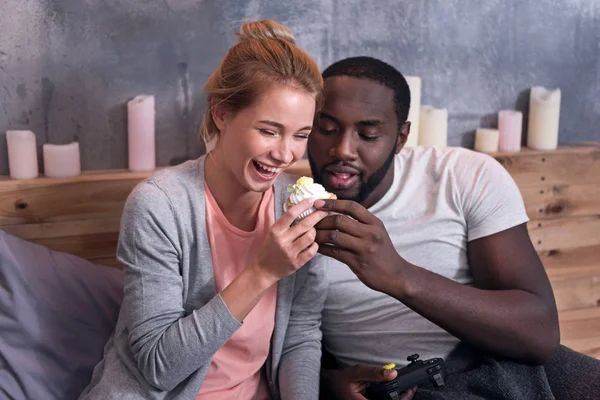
point(302, 136)
point(369, 138)
point(326, 131)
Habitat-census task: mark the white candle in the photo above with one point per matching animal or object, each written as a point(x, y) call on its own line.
point(510, 123)
point(141, 135)
point(433, 129)
point(486, 140)
point(544, 117)
point(22, 154)
point(414, 84)
point(61, 161)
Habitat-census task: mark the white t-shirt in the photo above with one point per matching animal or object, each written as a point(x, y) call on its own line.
point(440, 199)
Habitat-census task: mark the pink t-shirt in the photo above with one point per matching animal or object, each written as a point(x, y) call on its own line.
point(236, 370)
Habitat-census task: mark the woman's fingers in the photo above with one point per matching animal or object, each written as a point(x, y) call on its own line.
point(291, 214)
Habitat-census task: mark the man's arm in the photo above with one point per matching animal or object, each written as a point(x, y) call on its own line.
point(510, 311)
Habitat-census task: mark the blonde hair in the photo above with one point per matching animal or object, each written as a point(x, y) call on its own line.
point(265, 54)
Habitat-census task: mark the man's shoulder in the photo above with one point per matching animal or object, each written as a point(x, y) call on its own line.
point(457, 162)
point(445, 156)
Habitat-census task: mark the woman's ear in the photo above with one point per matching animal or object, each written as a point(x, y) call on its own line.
point(218, 115)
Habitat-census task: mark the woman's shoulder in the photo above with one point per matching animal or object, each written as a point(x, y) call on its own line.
point(174, 185)
point(187, 173)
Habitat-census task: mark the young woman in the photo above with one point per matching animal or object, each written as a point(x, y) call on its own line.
point(222, 299)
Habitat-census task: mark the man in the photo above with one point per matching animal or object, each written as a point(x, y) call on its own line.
point(436, 251)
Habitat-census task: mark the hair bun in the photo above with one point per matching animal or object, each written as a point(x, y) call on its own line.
point(265, 29)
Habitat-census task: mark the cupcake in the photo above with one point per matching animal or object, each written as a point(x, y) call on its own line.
point(306, 188)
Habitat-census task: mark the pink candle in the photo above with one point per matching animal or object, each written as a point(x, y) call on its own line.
point(141, 142)
point(510, 124)
point(22, 154)
point(61, 161)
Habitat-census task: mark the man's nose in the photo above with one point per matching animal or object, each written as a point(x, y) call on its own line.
point(344, 148)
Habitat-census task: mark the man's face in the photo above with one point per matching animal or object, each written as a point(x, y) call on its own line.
point(357, 137)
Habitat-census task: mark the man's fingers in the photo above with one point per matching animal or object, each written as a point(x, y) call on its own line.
point(343, 256)
point(355, 396)
point(338, 239)
point(342, 223)
point(347, 207)
point(368, 373)
point(408, 395)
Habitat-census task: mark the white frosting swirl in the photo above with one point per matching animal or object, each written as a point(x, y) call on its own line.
point(314, 190)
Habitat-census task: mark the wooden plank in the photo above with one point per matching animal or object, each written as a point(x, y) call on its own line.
point(549, 201)
point(6, 183)
point(588, 346)
point(580, 330)
point(91, 247)
point(300, 168)
point(64, 201)
point(580, 324)
point(579, 262)
point(577, 293)
point(64, 229)
point(572, 164)
point(565, 233)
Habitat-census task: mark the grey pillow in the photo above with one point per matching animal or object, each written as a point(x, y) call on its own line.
point(57, 312)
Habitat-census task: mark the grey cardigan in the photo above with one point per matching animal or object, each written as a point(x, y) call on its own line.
point(172, 321)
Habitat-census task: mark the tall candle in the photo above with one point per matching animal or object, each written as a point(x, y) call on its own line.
point(61, 161)
point(544, 118)
point(141, 135)
point(414, 84)
point(22, 154)
point(486, 140)
point(510, 123)
point(433, 129)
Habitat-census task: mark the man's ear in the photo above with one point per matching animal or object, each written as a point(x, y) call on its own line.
point(218, 114)
point(402, 136)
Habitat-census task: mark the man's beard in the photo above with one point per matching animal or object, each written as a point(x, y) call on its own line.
point(366, 188)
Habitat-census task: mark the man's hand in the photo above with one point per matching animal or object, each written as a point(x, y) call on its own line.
point(351, 382)
point(362, 243)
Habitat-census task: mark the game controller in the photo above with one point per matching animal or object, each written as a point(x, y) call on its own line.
point(414, 374)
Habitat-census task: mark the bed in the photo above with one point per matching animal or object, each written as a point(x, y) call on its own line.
point(80, 217)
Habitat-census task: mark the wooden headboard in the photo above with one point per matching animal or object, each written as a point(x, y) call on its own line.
point(77, 215)
point(561, 190)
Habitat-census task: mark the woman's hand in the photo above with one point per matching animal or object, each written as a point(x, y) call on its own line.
point(288, 247)
point(285, 249)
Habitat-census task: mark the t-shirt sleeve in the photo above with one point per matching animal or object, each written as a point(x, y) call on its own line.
point(491, 199)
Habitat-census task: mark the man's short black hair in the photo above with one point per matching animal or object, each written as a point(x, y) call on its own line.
point(380, 72)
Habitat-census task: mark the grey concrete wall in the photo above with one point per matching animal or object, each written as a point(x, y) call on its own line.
point(67, 67)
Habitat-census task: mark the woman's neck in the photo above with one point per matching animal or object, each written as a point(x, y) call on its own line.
point(238, 204)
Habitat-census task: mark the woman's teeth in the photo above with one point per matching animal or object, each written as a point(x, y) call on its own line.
point(267, 168)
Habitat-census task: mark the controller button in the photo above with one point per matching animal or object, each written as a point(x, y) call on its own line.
point(434, 369)
point(439, 381)
point(431, 370)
